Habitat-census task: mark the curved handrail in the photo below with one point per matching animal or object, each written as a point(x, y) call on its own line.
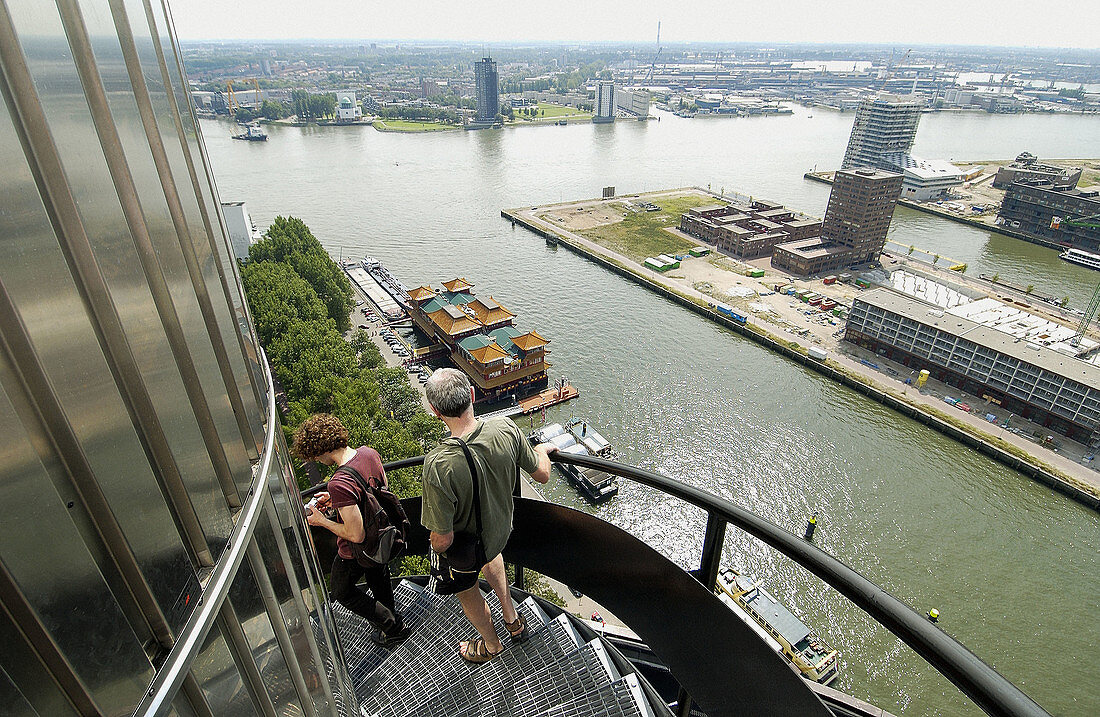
point(990, 691)
point(162, 691)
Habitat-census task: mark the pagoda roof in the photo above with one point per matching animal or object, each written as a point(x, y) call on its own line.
point(490, 311)
point(530, 340)
point(452, 320)
point(458, 297)
point(477, 341)
point(457, 285)
point(421, 293)
point(503, 336)
point(489, 353)
point(434, 305)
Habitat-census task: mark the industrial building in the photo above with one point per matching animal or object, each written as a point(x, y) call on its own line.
point(861, 205)
point(748, 228)
point(1068, 217)
point(884, 125)
point(632, 103)
point(923, 179)
point(1028, 166)
point(977, 348)
point(488, 93)
point(605, 102)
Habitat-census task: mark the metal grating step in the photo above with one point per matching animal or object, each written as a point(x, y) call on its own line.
point(429, 660)
point(584, 671)
point(362, 655)
point(470, 687)
point(622, 698)
point(413, 667)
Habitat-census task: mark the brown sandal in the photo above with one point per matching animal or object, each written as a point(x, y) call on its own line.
point(517, 628)
point(475, 651)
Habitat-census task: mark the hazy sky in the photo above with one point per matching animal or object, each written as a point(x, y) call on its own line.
point(1047, 23)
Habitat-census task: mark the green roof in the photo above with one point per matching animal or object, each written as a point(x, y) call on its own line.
point(434, 305)
point(459, 298)
point(477, 341)
point(503, 337)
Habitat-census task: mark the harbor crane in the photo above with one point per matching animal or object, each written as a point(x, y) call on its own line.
point(653, 63)
point(893, 67)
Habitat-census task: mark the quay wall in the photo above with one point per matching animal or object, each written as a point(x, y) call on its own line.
point(1028, 468)
point(944, 214)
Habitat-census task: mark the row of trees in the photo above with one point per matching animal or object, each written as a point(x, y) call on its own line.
point(300, 302)
point(310, 106)
point(425, 114)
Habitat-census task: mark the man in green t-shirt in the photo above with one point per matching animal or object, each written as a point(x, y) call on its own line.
point(498, 450)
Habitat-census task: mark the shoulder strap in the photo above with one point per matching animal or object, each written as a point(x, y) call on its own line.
point(363, 483)
point(474, 478)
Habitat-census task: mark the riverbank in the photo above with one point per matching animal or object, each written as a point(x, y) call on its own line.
point(1054, 470)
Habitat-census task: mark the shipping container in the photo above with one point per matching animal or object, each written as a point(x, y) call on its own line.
point(817, 354)
point(699, 251)
point(829, 280)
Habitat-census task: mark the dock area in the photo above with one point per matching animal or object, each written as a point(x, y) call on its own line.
point(784, 325)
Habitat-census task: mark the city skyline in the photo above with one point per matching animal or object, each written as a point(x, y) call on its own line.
point(1062, 24)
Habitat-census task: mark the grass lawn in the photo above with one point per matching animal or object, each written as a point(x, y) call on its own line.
point(397, 125)
point(556, 111)
point(643, 234)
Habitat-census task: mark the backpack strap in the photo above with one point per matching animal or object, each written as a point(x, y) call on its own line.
point(474, 478)
point(364, 485)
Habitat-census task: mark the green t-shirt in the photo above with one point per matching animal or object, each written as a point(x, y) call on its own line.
point(497, 447)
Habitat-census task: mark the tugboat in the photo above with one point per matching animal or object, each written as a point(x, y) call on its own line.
point(777, 626)
point(252, 134)
point(593, 485)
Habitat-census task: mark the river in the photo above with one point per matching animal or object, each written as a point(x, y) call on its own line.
point(1012, 567)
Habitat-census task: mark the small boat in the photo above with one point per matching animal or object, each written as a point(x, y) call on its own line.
point(1081, 258)
point(252, 134)
point(777, 626)
point(594, 486)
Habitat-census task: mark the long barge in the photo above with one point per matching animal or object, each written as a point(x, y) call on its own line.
point(778, 626)
point(594, 486)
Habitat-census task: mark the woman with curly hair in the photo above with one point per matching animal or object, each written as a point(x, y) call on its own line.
point(323, 439)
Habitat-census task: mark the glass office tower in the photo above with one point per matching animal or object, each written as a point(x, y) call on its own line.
point(153, 557)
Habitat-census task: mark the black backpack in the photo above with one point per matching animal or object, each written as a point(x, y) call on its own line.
point(384, 521)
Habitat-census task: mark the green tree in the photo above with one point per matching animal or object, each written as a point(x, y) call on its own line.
point(273, 110)
point(278, 297)
point(1030, 288)
point(289, 240)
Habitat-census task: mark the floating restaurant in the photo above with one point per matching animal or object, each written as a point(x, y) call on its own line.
point(480, 338)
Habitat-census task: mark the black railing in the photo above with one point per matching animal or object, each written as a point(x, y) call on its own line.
point(989, 690)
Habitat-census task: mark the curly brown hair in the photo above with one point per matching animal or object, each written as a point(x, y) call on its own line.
point(318, 434)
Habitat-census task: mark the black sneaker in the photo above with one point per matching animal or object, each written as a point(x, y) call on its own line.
point(380, 638)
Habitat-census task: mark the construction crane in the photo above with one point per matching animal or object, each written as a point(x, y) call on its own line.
point(653, 64)
point(890, 70)
point(1088, 317)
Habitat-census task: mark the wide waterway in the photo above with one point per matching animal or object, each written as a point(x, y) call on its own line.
point(1012, 567)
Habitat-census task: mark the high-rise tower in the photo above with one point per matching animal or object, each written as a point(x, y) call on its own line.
point(860, 207)
point(488, 90)
point(605, 101)
point(884, 124)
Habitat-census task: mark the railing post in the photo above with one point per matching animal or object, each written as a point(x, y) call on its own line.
point(683, 704)
point(517, 492)
point(713, 541)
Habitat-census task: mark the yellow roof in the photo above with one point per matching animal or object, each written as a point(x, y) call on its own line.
point(457, 285)
point(421, 292)
point(453, 321)
point(529, 340)
point(489, 353)
point(489, 311)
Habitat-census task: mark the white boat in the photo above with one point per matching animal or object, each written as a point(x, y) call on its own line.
point(1081, 257)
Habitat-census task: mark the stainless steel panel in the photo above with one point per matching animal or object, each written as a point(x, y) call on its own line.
point(53, 315)
point(53, 589)
point(12, 702)
point(28, 674)
point(74, 133)
point(110, 97)
point(220, 679)
point(155, 107)
point(245, 599)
